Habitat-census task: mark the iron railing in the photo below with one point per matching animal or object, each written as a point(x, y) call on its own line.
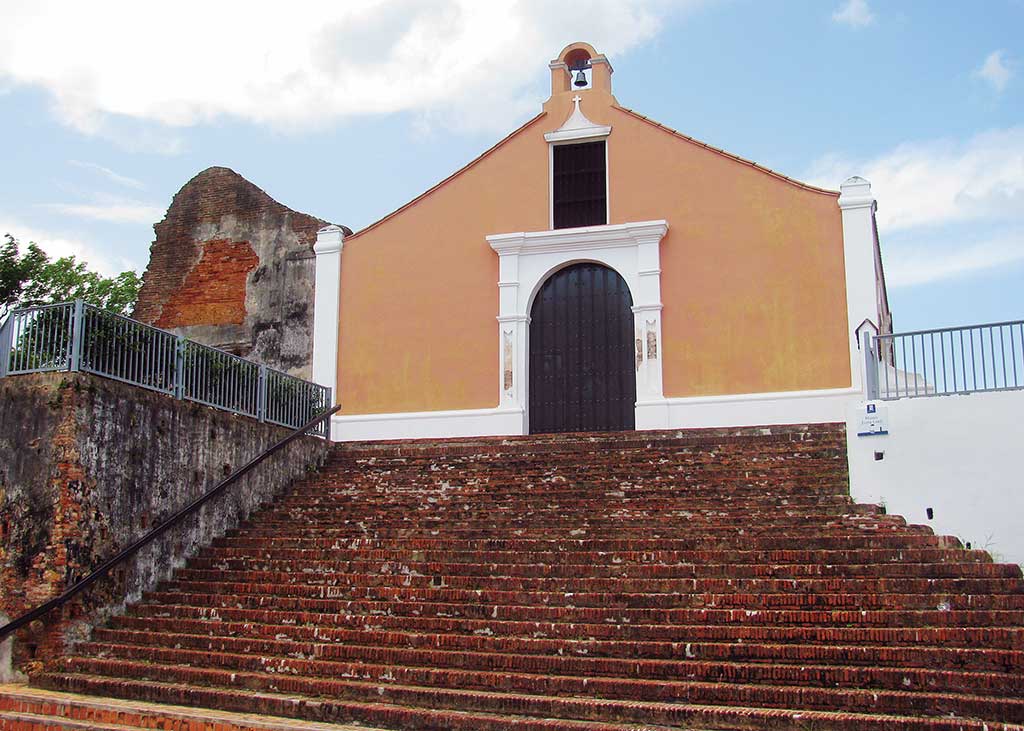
point(952, 360)
point(75, 336)
point(309, 427)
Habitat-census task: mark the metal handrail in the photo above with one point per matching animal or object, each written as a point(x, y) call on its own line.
point(104, 568)
point(76, 336)
point(945, 361)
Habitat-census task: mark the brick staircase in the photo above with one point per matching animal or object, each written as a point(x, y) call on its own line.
point(704, 579)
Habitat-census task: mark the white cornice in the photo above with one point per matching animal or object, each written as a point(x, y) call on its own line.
point(329, 240)
point(855, 192)
point(577, 239)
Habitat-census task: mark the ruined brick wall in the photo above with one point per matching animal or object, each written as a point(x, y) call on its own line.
point(233, 268)
point(89, 465)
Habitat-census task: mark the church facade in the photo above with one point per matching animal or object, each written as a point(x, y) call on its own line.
point(596, 270)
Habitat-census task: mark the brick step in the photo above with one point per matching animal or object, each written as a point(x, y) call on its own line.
point(637, 450)
point(617, 502)
point(862, 556)
point(429, 512)
point(339, 660)
point(456, 523)
point(615, 453)
point(684, 715)
point(32, 709)
point(541, 606)
point(535, 444)
point(897, 538)
point(736, 454)
point(778, 478)
point(407, 492)
point(461, 690)
point(625, 530)
point(728, 629)
point(322, 642)
point(610, 569)
point(337, 712)
point(589, 584)
point(618, 465)
point(601, 502)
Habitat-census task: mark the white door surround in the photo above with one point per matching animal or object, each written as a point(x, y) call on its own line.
point(527, 259)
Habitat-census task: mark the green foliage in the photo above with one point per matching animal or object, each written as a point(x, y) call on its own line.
point(33, 278)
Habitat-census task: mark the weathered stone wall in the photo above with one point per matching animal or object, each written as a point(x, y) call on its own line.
point(89, 465)
point(233, 268)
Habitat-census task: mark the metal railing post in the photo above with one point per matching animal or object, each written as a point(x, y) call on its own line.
point(870, 366)
point(179, 367)
point(77, 335)
point(6, 335)
point(328, 403)
point(261, 398)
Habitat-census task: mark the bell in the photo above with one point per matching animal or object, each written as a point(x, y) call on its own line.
point(581, 78)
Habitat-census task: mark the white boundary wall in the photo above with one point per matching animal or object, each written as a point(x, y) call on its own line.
point(962, 456)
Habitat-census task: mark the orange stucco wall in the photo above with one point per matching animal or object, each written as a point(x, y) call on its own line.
point(752, 271)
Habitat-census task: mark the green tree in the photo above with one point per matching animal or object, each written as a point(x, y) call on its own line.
point(33, 278)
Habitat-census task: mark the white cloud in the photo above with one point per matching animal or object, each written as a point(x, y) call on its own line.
point(940, 182)
point(996, 71)
point(319, 62)
point(57, 244)
point(109, 174)
point(906, 266)
point(854, 13)
point(110, 209)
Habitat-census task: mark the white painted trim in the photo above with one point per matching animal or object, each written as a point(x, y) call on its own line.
point(817, 406)
point(527, 259)
point(749, 409)
point(326, 304)
point(862, 297)
point(589, 134)
point(428, 424)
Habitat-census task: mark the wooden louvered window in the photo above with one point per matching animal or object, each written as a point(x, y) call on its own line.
point(578, 185)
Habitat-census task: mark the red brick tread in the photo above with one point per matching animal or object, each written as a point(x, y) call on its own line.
point(435, 717)
point(34, 709)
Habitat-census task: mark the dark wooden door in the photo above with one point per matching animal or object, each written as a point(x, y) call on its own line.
point(581, 352)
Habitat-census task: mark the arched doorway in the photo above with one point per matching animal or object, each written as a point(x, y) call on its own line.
point(582, 375)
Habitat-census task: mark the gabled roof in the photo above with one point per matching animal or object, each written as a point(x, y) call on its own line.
point(487, 153)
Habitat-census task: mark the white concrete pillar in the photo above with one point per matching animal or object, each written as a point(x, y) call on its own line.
point(326, 304)
point(513, 328)
point(858, 211)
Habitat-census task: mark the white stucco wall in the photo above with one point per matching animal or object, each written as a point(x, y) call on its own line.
point(962, 456)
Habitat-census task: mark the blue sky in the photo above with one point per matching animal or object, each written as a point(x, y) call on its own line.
point(348, 110)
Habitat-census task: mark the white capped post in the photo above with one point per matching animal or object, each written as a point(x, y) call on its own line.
point(858, 211)
point(326, 303)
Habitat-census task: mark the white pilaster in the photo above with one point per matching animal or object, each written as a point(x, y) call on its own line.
point(858, 211)
point(326, 304)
